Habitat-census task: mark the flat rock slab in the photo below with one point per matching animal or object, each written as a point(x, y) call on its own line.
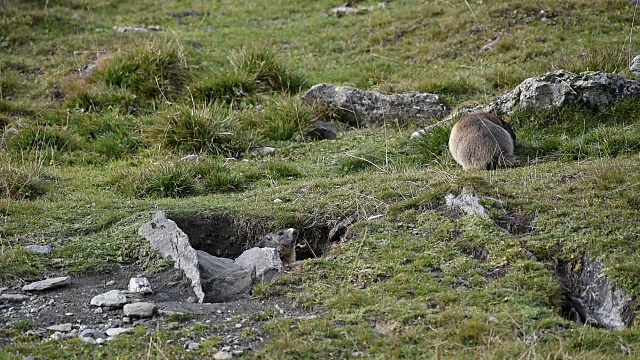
point(140, 309)
point(14, 297)
point(47, 284)
point(113, 298)
point(363, 108)
point(62, 327)
point(170, 241)
point(39, 249)
point(113, 332)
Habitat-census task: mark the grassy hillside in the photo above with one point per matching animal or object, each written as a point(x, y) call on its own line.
point(95, 120)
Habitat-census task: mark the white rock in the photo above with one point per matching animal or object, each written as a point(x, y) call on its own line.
point(193, 158)
point(39, 249)
point(223, 355)
point(635, 66)
point(110, 283)
point(113, 332)
point(140, 309)
point(113, 298)
point(191, 345)
point(140, 285)
point(99, 341)
point(62, 327)
point(47, 284)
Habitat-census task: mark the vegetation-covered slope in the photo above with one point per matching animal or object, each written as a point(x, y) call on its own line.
point(87, 154)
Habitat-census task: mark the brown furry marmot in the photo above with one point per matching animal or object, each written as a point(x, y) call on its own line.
point(284, 241)
point(482, 141)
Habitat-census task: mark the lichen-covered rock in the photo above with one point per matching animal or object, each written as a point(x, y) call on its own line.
point(363, 108)
point(467, 202)
point(559, 88)
point(635, 67)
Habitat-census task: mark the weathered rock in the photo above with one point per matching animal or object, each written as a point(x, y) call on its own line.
point(113, 298)
point(62, 327)
point(264, 261)
point(467, 202)
point(635, 67)
point(600, 302)
point(265, 150)
point(113, 332)
point(559, 88)
point(348, 9)
point(193, 158)
point(93, 334)
point(223, 280)
point(47, 284)
point(223, 355)
point(88, 340)
point(169, 240)
point(39, 249)
point(323, 130)
point(362, 108)
point(138, 28)
point(191, 345)
point(140, 285)
point(13, 297)
point(140, 309)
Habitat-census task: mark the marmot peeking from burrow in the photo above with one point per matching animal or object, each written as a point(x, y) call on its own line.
point(482, 141)
point(284, 241)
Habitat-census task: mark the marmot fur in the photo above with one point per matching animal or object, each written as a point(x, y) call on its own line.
point(482, 141)
point(284, 241)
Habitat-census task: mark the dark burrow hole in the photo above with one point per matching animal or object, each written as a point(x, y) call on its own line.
point(228, 237)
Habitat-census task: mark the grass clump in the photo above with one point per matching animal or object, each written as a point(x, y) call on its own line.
point(23, 179)
point(262, 67)
point(434, 143)
point(151, 71)
point(212, 128)
point(44, 138)
point(233, 88)
point(597, 59)
point(285, 120)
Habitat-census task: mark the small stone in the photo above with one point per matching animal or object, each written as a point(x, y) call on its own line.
point(492, 320)
point(169, 313)
point(238, 326)
point(218, 312)
point(47, 284)
point(141, 309)
point(140, 285)
point(237, 352)
point(263, 150)
point(39, 249)
point(89, 340)
point(62, 327)
point(278, 201)
point(193, 158)
point(92, 333)
point(58, 336)
point(68, 314)
point(113, 332)
point(14, 297)
point(30, 357)
point(226, 348)
point(98, 310)
point(191, 345)
point(125, 319)
point(113, 298)
point(110, 283)
point(223, 355)
point(99, 341)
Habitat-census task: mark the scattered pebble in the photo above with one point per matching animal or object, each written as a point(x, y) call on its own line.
point(226, 348)
point(237, 352)
point(125, 319)
point(99, 341)
point(193, 158)
point(191, 345)
point(110, 283)
point(278, 201)
point(98, 310)
point(113, 332)
point(92, 333)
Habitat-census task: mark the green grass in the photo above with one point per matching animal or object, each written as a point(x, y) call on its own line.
point(93, 154)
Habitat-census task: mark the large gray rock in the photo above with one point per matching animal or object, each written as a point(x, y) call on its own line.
point(559, 88)
point(47, 284)
point(223, 280)
point(600, 302)
point(264, 261)
point(169, 240)
point(139, 309)
point(362, 108)
point(113, 298)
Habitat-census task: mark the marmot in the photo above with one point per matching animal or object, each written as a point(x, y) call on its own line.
point(284, 241)
point(482, 141)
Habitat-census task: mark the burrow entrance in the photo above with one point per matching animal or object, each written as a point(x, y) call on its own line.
point(228, 237)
